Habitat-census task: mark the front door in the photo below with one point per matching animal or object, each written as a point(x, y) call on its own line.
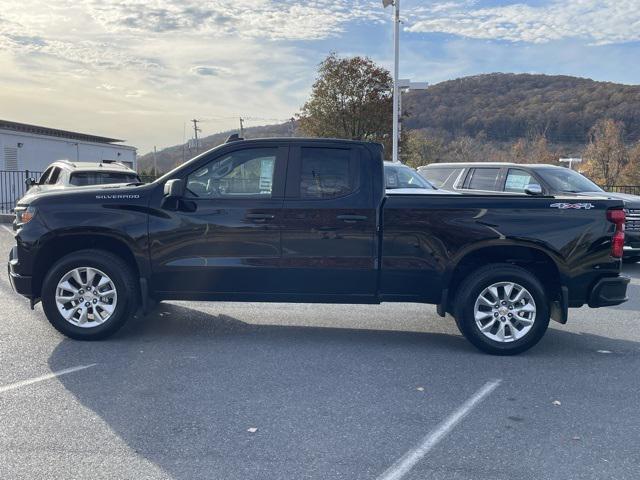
point(223, 237)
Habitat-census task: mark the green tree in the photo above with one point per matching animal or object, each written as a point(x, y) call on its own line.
point(351, 98)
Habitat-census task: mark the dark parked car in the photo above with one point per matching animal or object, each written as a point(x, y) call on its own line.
point(308, 220)
point(536, 179)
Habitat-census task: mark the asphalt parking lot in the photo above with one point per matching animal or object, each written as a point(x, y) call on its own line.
point(280, 391)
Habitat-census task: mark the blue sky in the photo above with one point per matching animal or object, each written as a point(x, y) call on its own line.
point(139, 69)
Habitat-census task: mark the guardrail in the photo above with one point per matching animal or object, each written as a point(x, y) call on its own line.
point(630, 189)
point(12, 187)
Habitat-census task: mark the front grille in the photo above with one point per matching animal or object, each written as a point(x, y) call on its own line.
point(633, 220)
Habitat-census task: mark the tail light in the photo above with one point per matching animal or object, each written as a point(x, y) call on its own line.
point(618, 218)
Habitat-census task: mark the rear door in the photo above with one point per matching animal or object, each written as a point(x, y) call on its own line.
point(329, 223)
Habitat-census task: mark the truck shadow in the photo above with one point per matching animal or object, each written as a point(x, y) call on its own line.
point(181, 387)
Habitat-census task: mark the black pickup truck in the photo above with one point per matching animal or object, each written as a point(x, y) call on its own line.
point(299, 220)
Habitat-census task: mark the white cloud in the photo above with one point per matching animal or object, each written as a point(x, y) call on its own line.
point(269, 19)
point(184, 58)
point(595, 21)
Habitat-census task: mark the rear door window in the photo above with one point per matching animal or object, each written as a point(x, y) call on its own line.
point(327, 173)
point(485, 179)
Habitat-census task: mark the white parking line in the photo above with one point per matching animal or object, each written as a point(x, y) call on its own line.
point(409, 460)
point(48, 376)
point(7, 229)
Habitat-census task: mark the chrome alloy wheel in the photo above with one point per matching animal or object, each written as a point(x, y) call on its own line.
point(86, 297)
point(505, 312)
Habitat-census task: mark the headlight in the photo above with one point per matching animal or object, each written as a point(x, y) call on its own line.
point(24, 215)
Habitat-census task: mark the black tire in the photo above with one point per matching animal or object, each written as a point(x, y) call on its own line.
point(114, 267)
point(473, 286)
point(631, 260)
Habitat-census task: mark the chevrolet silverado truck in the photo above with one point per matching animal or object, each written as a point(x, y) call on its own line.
point(308, 220)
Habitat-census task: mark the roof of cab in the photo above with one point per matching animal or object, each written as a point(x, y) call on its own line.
point(302, 140)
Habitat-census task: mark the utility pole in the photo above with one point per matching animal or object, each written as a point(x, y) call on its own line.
point(155, 162)
point(241, 127)
point(292, 127)
point(196, 129)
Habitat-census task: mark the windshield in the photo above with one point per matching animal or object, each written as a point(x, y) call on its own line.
point(401, 176)
point(567, 181)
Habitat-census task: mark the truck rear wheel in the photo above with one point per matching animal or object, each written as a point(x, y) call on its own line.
point(502, 309)
point(89, 295)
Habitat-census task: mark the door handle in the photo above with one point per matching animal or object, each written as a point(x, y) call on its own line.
point(260, 216)
point(352, 218)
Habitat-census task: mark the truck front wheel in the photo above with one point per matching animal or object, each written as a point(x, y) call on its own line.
point(89, 295)
point(502, 309)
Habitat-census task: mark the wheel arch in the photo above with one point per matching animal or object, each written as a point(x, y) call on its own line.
point(539, 262)
point(63, 244)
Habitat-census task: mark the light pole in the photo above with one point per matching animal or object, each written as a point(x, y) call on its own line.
point(570, 161)
point(396, 74)
point(399, 85)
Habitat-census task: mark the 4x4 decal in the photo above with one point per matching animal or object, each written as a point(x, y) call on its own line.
point(575, 206)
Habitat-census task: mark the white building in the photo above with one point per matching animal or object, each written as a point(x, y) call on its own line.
point(32, 148)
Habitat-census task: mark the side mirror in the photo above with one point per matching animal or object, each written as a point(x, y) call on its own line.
point(533, 189)
point(174, 188)
point(30, 182)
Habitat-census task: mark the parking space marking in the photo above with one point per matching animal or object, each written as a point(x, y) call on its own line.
point(48, 376)
point(412, 457)
point(7, 229)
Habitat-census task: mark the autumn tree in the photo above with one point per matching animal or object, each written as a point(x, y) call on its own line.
point(419, 149)
point(351, 98)
point(606, 156)
point(632, 172)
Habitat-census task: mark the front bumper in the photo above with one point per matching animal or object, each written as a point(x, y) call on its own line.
point(20, 283)
point(609, 291)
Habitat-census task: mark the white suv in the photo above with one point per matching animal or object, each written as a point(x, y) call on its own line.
point(65, 173)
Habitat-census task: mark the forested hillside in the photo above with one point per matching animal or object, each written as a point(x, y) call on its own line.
point(506, 107)
point(486, 117)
